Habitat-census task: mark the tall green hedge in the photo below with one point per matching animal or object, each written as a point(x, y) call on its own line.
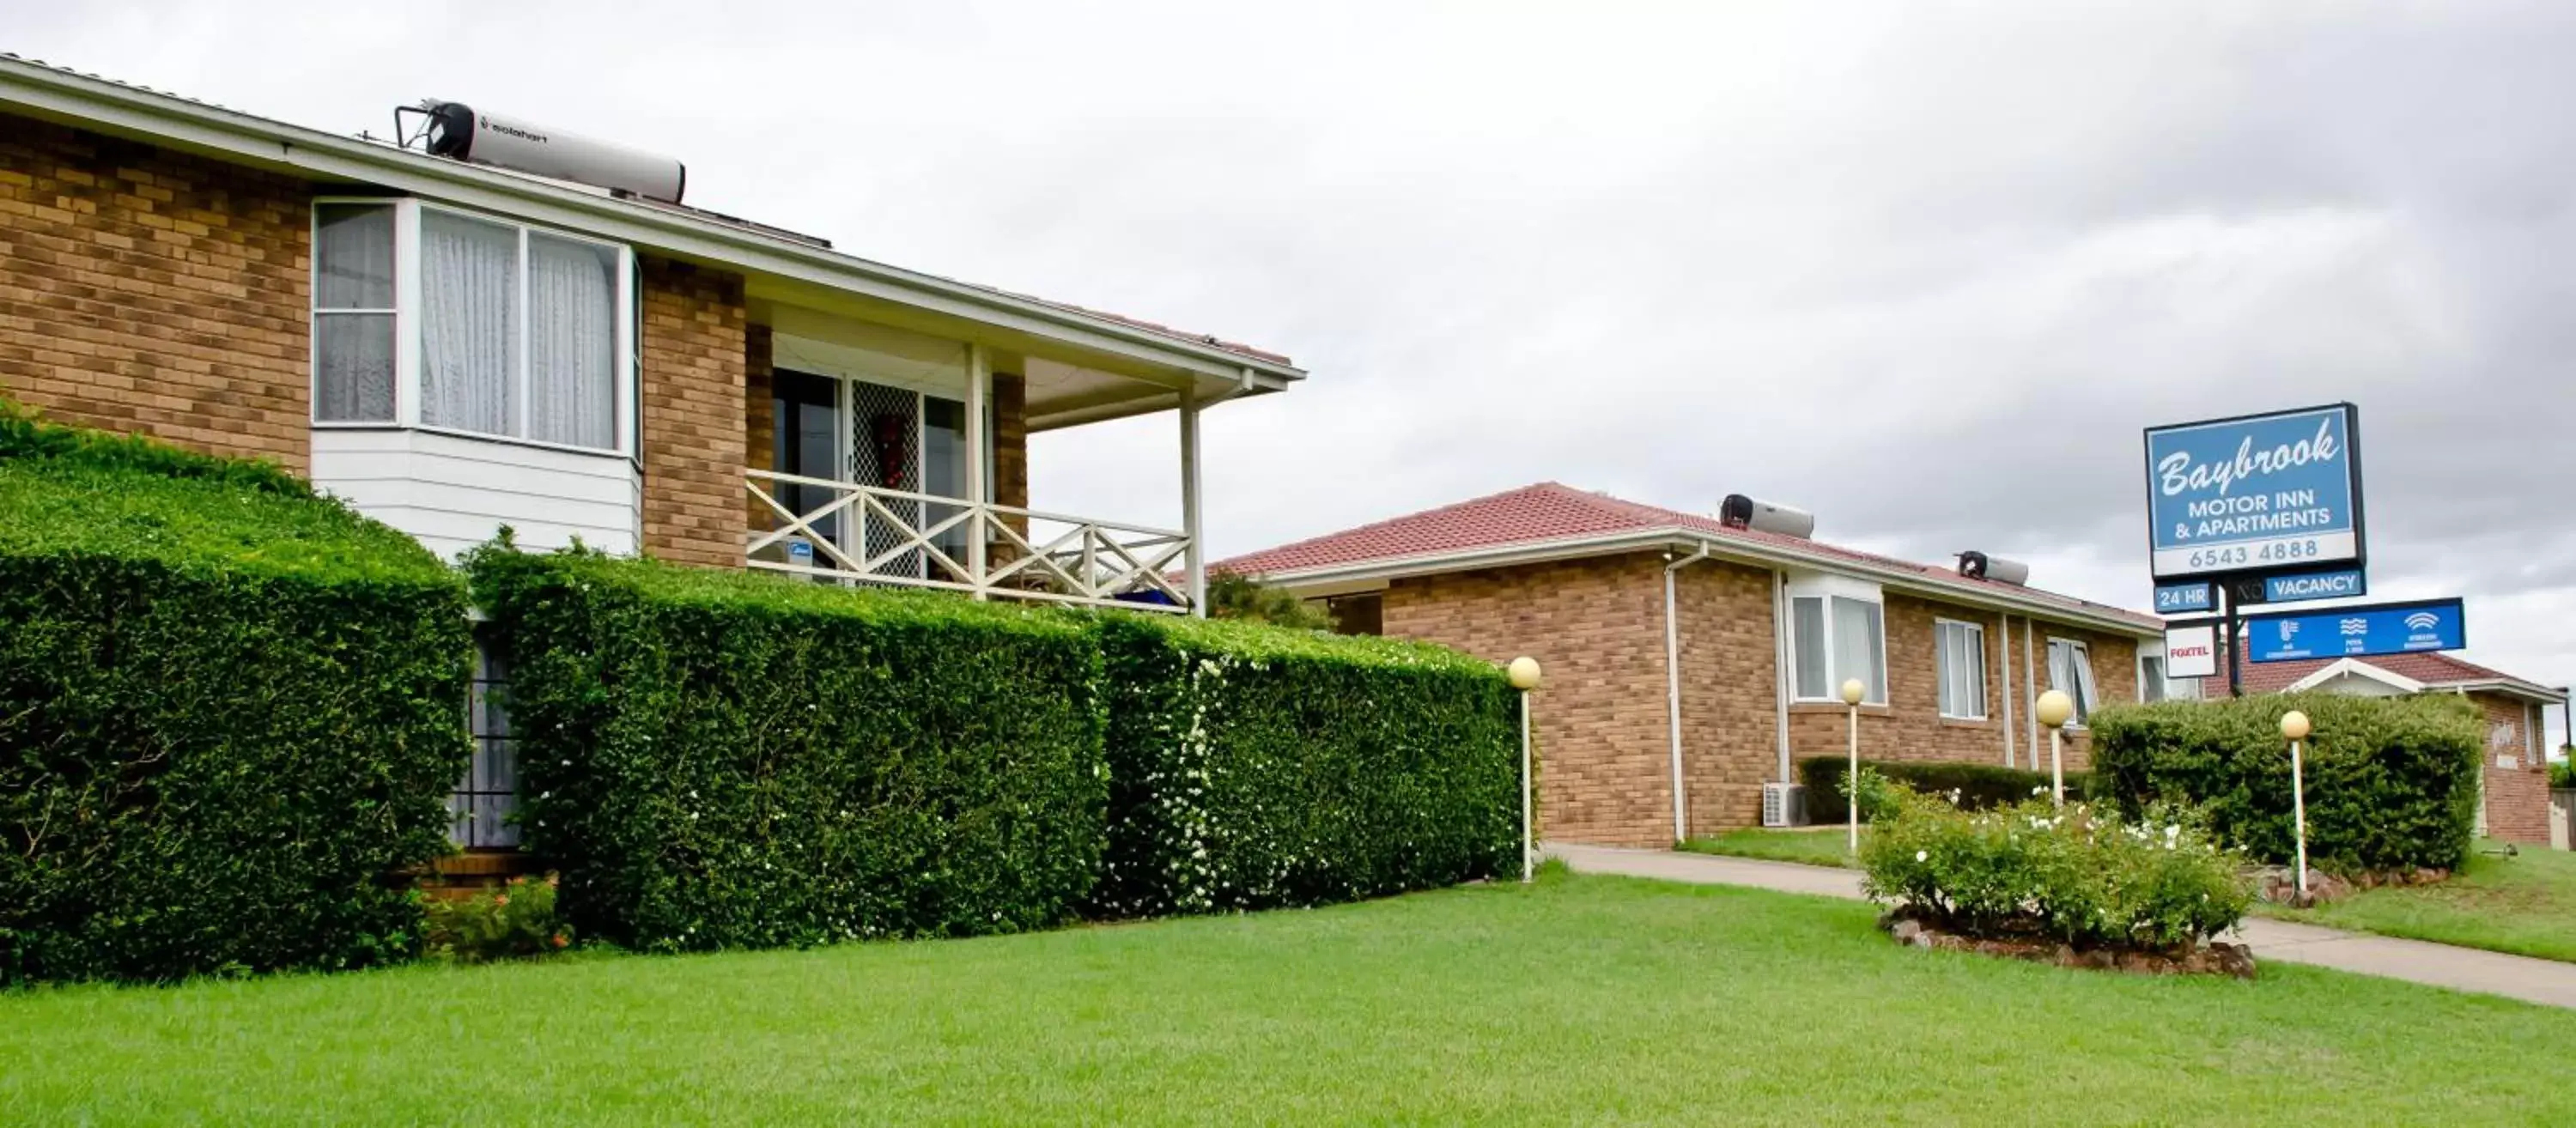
point(1256, 767)
point(2392, 782)
point(720, 759)
point(230, 712)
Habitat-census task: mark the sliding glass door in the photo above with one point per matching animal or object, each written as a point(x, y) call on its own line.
point(878, 435)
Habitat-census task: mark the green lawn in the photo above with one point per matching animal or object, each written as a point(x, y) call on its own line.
point(1813, 847)
point(2525, 905)
point(1577, 1001)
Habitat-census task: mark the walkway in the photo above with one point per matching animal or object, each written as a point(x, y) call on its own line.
point(2547, 982)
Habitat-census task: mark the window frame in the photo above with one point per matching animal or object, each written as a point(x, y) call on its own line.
point(627, 361)
point(2090, 698)
point(1941, 669)
point(1826, 589)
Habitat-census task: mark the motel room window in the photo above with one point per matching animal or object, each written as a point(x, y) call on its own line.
point(480, 809)
point(1834, 638)
point(430, 317)
point(1960, 667)
point(2156, 685)
point(2070, 671)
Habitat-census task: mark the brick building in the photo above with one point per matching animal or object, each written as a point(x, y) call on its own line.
point(453, 347)
point(2516, 779)
point(1688, 661)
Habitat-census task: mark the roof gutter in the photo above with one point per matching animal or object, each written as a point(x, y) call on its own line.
point(83, 101)
point(1764, 555)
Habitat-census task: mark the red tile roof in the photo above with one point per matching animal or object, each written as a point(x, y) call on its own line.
point(2430, 669)
point(1553, 511)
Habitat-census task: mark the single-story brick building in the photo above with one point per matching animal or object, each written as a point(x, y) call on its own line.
point(1690, 660)
point(2517, 766)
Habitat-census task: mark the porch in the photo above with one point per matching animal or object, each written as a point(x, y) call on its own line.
point(880, 453)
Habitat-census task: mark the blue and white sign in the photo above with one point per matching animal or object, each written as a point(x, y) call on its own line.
point(2184, 599)
point(2303, 587)
point(2354, 632)
point(2254, 493)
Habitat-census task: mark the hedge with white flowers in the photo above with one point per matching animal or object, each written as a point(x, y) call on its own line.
point(1255, 767)
point(720, 759)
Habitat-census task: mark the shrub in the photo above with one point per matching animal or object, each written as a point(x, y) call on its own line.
point(2081, 876)
point(1254, 767)
point(2392, 782)
point(1979, 786)
point(2562, 774)
point(723, 759)
point(230, 712)
point(515, 921)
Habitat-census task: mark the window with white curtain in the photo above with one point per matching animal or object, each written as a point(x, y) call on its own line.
point(1960, 668)
point(424, 315)
point(2070, 671)
point(1834, 638)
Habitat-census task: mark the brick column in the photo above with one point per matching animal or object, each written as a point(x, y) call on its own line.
point(696, 360)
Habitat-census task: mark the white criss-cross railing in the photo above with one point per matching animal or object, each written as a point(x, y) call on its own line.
point(997, 551)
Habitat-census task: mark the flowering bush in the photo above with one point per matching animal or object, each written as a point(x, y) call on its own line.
point(2081, 876)
point(516, 920)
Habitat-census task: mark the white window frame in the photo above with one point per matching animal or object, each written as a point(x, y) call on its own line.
point(1941, 667)
point(1827, 589)
point(407, 328)
point(2091, 697)
point(2175, 689)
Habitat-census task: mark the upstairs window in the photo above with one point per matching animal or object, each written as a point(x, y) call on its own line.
point(1834, 638)
point(1960, 668)
point(429, 317)
point(2070, 671)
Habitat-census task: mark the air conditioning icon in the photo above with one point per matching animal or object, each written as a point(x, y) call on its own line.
point(2289, 629)
point(2423, 621)
point(2355, 628)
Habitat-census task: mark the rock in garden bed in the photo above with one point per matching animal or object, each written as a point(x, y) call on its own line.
point(2213, 958)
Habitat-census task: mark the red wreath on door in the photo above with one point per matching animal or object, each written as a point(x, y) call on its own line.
point(893, 434)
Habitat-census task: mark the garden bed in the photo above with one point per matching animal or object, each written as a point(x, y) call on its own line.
point(1909, 927)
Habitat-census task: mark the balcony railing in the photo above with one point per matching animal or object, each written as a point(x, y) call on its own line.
point(871, 534)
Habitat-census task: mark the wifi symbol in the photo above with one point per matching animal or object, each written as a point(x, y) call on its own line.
point(2423, 621)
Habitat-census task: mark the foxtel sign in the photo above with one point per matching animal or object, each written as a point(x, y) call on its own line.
point(2257, 493)
point(2191, 651)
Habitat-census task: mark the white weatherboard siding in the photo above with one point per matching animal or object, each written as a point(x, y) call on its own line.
point(452, 491)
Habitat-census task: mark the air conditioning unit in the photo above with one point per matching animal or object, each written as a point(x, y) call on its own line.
point(1784, 804)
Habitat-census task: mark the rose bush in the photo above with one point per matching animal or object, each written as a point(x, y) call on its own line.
point(2081, 875)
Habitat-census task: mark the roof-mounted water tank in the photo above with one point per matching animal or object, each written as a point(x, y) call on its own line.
point(459, 131)
point(1979, 566)
point(1741, 512)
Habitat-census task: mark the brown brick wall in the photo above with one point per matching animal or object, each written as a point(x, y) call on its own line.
point(1010, 440)
point(153, 292)
point(1730, 723)
point(2517, 797)
point(696, 356)
point(1598, 720)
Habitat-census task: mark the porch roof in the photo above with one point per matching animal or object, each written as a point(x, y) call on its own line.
point(1552, 520)
point(1165, 362)
point(2409, 672)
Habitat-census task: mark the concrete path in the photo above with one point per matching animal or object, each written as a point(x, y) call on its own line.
point(2547, 982)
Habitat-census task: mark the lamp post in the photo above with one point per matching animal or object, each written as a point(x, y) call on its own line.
point(1853, 691)
point(2054, 709)
point(1523, 673)
point(2294, 725)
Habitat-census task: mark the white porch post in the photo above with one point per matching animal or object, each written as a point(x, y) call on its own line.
point(979, 375)
point(1195, 554)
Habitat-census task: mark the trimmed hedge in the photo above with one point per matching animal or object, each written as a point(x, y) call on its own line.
point(721, 759)
point(1980, 786)
point(2392, 782)
point(230, 714)
point(1255, 767)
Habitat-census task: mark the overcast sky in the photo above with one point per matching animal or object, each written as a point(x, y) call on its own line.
point(1924, 272)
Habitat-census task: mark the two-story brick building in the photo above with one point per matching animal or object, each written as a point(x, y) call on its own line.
point(1690, 660)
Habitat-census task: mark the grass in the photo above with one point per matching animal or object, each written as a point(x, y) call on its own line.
point(2525, 905)
point(1812, 847)
point(1574, 1001)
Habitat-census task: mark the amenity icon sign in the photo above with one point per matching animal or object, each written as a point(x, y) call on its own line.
point(2255, 494)
point(2353, 632)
